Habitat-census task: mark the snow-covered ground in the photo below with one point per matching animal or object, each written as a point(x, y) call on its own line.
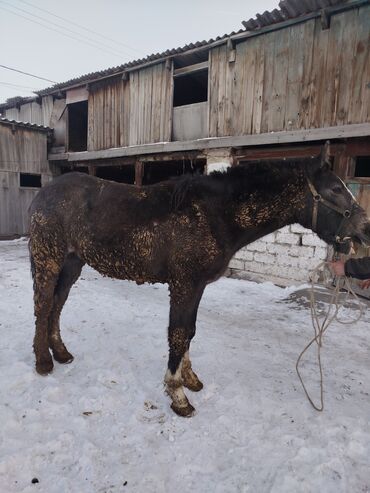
point(103, 423)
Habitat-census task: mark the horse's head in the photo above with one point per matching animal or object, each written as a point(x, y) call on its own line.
point(333, 212)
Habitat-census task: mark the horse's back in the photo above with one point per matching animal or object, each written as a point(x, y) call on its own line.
point(70, 187)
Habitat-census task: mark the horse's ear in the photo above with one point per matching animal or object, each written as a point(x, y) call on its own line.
point(325, 157)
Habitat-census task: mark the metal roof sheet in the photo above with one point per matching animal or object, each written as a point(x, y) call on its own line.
point(289, 9)
point(32, 126)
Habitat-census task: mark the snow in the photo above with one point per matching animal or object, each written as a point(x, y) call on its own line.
point(103, 423)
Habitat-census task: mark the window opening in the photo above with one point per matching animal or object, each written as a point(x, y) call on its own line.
point(29, 180)
point(362, 168)
point(191, 88)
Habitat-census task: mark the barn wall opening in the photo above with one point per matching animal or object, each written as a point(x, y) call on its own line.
point(77, 126)
point(70, 169)
point(29, 180)
point(121, 174)
point(362, 168)
point(155, 172)
point(191, 88)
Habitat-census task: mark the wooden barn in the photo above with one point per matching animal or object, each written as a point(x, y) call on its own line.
point(282, 86)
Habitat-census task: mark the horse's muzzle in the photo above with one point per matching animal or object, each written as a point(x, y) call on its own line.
point(343, 247)
point(363, 237)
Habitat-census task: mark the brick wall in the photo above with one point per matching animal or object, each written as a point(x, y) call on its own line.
point(283, 257)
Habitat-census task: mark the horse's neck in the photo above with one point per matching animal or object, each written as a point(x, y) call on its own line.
point(262, 213)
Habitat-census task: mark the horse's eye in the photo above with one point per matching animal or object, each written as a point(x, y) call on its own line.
point(337, 189)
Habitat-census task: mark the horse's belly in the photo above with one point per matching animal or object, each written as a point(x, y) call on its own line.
point(125, 266)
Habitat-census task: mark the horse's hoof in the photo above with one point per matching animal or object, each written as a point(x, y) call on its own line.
point(63, 359)
point(186, 411)
point(194, 386)
point(44, 367)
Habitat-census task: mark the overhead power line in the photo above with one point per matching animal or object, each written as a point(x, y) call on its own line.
point(18, 85)
point(17, 90)
point(84, 37)
point(26, 73)
point(96, 46)
point(83, 27)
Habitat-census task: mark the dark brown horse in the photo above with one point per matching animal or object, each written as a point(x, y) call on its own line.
point(181, 232)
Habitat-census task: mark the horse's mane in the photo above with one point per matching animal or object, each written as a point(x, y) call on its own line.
point(239, 181)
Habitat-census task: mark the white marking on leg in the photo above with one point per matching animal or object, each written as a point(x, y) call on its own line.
point(174, 387)
point(189, 378)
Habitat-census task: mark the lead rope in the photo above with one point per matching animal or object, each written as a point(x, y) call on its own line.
point(320, 327)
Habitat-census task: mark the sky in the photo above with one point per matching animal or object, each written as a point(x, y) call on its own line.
point(46, 37)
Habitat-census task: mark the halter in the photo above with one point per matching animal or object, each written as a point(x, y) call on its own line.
point(317, 198)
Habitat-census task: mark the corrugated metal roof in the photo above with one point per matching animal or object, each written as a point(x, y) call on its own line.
point(289, 9)
point(32, 126)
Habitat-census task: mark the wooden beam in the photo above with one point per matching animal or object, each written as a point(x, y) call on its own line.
point(278, 152)
point(190, 69)
point(285, 137)
point(139, 173)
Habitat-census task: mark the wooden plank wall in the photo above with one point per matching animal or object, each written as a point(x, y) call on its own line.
point(25, 151)
point(108, 116)
point(295, 78)
point(33, 112)
point(151, 93)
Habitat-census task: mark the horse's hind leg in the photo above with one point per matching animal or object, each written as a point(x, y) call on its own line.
point(70, 273)
point(183, 303)
point(47, 257)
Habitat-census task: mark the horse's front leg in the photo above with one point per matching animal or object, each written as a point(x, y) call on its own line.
point(189, 377)
point(183, 307)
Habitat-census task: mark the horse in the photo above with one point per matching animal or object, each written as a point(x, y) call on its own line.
point(182, 232)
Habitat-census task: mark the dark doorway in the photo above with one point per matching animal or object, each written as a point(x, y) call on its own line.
point(77, 126)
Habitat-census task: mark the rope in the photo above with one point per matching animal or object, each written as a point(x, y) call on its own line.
point(343, 285)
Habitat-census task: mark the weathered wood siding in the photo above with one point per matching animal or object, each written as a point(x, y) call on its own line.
point(108, 116)
point(34, 112)
point(21, 151)
point(49, 112)
point(190, 121)
point(294, 78)
point(151, 92)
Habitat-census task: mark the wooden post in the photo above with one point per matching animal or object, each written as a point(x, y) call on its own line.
point(92, 170)
point(139, 172)
point(342, 162)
